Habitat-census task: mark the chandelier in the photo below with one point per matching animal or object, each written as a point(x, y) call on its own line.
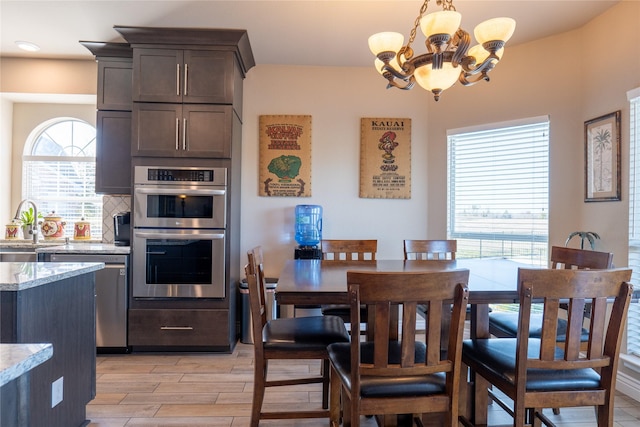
point(449, 57)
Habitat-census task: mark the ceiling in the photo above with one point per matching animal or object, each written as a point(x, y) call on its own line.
point(304, 32)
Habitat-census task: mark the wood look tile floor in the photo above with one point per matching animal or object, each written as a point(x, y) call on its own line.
point(208, 389)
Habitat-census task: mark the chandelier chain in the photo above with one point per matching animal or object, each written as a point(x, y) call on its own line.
point(416, 24)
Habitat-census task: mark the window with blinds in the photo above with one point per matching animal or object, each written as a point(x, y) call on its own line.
point(498, 191)
point(633, 327)
point(59, 173)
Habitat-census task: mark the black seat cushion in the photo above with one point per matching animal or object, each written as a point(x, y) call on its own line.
point(304, 333)
point(507, 324)
point(498, 356)
point(373, 386)
point(343, 311)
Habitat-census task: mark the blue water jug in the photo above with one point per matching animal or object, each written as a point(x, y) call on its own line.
point(308, 225)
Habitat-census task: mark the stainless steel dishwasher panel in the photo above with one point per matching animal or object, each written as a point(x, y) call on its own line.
point(111, 296)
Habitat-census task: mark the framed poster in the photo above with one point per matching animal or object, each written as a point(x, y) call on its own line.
point(385, 158)
point(285, 156)
point(602, 158)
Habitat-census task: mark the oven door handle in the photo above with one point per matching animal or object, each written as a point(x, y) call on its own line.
point(174, 191)
point(199, 236)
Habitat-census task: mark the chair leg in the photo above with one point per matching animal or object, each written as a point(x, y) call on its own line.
point(259, 380)
point(334, 399)
point(556, 411)
point(325, 383)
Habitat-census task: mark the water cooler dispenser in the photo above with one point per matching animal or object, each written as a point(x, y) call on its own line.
point(308, 232)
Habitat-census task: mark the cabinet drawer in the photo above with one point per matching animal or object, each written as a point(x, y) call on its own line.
point(178, 327)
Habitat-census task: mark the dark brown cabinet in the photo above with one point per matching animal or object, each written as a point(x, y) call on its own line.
point(183, 76)
point(113, 119)
point(113, 152)
point(182, 130)
point(114, 84)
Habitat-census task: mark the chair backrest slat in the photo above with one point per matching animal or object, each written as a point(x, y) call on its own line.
point(576, 288)
point(430, 249)
point(349, 250)
point(445, 293)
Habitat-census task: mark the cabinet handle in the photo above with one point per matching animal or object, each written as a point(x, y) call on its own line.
point(184, 133)
point(177, 79)
point(186, 77)
point(177, 133)
point(176, 328)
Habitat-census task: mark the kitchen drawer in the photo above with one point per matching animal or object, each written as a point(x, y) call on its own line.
point(178, 328)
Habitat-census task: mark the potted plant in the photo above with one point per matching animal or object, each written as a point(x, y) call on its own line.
point(29, 222)
point(591, 236)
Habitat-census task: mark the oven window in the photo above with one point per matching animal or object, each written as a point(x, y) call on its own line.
point(179, 261)
point(179, 206)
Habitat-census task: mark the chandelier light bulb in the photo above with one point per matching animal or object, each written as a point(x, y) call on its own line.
point(387, 41)
point(442, 22)
point(441, 79)
point(495, 29)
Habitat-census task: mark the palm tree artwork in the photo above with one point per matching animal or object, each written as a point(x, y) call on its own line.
point(602, 147)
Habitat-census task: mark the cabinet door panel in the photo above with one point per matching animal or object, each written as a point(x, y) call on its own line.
point(114, 85)
point(157, 75)
point(156, 129)
point(208, 130)
point(113, 152)
point(209, 77)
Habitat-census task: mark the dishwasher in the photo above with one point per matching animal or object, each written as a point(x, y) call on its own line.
point(111, 298)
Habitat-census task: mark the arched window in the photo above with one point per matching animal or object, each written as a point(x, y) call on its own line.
point(59, 169)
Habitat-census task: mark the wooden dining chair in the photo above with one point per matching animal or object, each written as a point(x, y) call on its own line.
point(534, 372)
point(349, 250)
point(505, 324)
point(346, 250)
point(430, 249)
point(414, 374)
point(286, 339)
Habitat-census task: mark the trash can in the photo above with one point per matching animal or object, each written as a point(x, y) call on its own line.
point(270, 303)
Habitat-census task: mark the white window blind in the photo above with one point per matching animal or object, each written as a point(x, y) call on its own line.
point(59, 173)
point(633, 328)
point(498, 191)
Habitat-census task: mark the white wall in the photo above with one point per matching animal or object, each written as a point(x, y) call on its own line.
point(336, 98)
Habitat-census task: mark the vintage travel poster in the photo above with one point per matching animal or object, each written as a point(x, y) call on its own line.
point(385, 158)
point(285, 156)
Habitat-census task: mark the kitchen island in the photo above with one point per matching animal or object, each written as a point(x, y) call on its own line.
point(53, 303)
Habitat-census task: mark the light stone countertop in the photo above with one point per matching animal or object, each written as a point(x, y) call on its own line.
point(86, 248)
point(18, 276)
point(18, 359)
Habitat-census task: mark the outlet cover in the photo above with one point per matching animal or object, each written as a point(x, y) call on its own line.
point(56, 391)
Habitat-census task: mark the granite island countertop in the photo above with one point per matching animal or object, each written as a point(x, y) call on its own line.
point(18, 276)
point(85, 248)
point(18, 359)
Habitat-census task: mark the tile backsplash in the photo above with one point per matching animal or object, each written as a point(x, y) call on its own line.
point(112, 205)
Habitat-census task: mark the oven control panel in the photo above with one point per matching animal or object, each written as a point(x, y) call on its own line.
point(164, 175)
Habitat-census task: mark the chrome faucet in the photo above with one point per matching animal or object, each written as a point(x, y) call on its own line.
point(34, 227)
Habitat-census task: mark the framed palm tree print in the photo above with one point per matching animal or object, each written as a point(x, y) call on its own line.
point(602, 158)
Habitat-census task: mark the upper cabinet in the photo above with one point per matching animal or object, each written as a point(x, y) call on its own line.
point(113, 120)
point(183, 76)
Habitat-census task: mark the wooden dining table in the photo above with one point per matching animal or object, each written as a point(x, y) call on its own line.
point(491, 281)
point(317, 282)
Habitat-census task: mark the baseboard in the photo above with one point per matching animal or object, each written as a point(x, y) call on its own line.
point(628, 385)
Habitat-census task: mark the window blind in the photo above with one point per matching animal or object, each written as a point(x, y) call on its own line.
point(66, 186)
point(498, 191)
point(633, 327)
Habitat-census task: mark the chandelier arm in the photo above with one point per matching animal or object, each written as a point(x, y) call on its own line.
point(392, 82)
point(471, 68)
point(462, 40)
point(467, 82)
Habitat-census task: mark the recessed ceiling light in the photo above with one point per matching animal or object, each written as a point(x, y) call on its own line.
point(28, 46)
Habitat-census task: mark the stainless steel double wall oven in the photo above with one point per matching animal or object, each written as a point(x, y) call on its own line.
point(179, 232)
